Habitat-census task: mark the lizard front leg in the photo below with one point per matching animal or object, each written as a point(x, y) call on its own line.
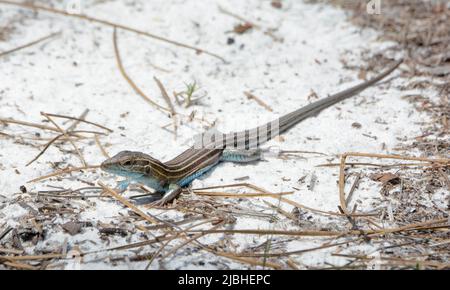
point(122, 185)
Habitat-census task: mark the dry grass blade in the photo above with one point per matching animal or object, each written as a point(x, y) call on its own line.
point(110, 24)
point(30, 44)
point(128, 204)
point(352, 190)
point(374, 164)
point(292, 264)
point(281, 211)
point(411, 227)
point(11, 251)
point(241, 195)
point(267, 32)
point(53, 141)
point(188, 240)
point(399, 261)
point(67, 136)
point(169, 103)
point(100, 146)
point(79, 120)
point(29, 124)
point(250, 261)
point(33, 257)
point(129, 80)
point(370, 233)
point(276, 232)
point(63, 171)
point(251, 96)
point(156, 240)
point(318, 211)
point(177, 235)
point(20, 266)
point(297, 252)
point(291, 202)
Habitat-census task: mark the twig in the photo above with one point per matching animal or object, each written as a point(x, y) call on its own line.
point(63, 171)
point(398, 261)
point(111, 24)
point(354, 186)
point(266, 32)
point(292, 264)
point(250, 261)
point(293, 203)
point(54, 140)
point(297, 252)
point(21, 266)
point(188, 240)
point(33, 257)
point(147, 217)
point(241, 195)
point(301, 152)
point(5, 232)
point(373, 164)
point(177, 235)
point(75, 124)
point(127, 77)
point(11, 251)
point(296, 204)
point(79, 120)
point(102, 149)
point(29, 124)
point(169, 103)
point(275, 232)
point(250, 96)
point(157, 239)
point(416, 226)
point(128, 204)
point(30, 44)
point(280, 210)
point(67, 136)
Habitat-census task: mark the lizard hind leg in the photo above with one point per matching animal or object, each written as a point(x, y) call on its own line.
point(172, 192)
point(241, 156)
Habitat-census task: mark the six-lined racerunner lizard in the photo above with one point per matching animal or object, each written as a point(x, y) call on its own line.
point(170, 177)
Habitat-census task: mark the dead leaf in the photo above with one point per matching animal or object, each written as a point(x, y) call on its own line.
point(276, 4)
point(362, 75)
point(356, 125)
point(242, 28)
point(72, 228)
point(386, 178)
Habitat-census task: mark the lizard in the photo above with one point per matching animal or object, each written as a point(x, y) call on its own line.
point(169, 178)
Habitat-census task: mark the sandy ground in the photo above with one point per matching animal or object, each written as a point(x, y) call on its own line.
point(77, 70)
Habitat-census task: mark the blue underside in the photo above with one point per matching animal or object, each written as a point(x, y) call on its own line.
point(187, 180)
point(156, 185)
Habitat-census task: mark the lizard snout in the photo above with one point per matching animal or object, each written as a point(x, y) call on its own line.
point(107, 164)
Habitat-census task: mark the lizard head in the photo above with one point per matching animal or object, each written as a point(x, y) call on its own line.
point(128, 164)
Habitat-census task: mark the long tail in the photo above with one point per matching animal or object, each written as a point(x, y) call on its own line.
point(288, 121)
point(251, 139)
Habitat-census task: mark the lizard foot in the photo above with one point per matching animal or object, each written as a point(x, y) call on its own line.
point(171, 194)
